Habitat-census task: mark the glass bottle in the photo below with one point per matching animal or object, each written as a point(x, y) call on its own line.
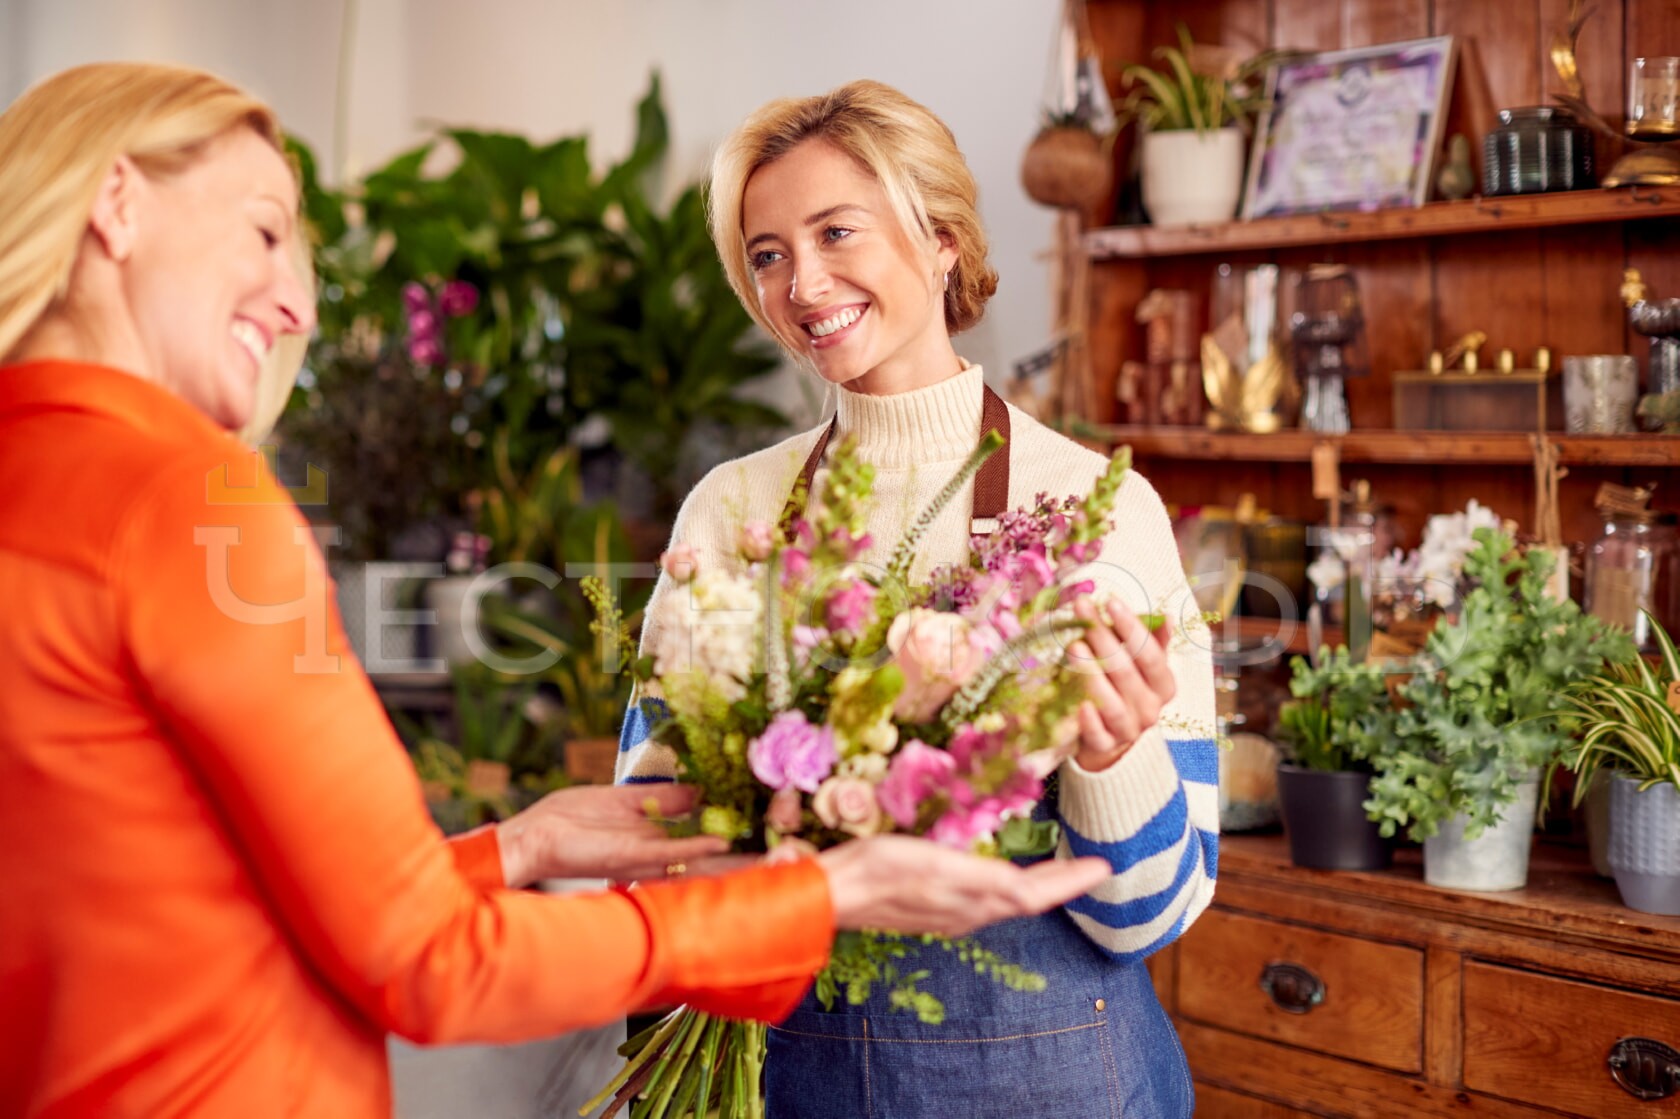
point(1632, 567)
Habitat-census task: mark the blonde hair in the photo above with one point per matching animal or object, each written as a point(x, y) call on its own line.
point(57, 144)
point(903, 145)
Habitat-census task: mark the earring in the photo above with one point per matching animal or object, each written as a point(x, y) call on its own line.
point(947, 279)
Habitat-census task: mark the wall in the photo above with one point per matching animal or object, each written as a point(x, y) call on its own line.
point(551, 67)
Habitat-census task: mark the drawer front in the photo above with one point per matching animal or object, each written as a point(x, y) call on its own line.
point(1336, 994)
point(1548, 1041)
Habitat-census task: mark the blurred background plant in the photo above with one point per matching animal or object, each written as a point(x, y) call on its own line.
point(476, 319)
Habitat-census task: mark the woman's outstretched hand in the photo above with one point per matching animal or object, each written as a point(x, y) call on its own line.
point(914, 886)
point(602, 831)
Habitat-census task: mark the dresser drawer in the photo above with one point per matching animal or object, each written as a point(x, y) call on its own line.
point(1339, 995)
point(1547, 1041)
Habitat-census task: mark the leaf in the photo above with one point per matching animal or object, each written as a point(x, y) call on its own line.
point(1027, 838)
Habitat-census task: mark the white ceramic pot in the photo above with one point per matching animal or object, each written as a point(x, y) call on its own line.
point(1497, 859)
point(1192, 177)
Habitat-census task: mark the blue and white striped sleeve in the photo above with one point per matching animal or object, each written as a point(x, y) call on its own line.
point(641, 761)
point(1154, 814)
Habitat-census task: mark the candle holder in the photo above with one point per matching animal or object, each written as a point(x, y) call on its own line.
point(1328, 332)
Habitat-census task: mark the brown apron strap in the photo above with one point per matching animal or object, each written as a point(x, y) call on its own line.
point(991, 485)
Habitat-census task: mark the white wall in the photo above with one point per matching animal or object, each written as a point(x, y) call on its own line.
point(553, 67)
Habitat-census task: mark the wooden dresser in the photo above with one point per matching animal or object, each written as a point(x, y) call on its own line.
point(1307, 992)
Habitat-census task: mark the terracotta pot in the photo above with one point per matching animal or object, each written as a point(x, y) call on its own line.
point(1068, 168)
point(591, 760)
point(487, 779)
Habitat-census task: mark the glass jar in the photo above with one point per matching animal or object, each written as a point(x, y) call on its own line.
point(1537, 149)
point(1635, 566)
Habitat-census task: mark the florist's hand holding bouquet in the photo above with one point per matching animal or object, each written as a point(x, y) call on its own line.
point(814, 700)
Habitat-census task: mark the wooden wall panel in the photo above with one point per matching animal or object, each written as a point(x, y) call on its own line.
point(1368, 22)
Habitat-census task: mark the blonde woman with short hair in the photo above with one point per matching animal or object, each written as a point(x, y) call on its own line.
point(222, 889)
point(849, 228)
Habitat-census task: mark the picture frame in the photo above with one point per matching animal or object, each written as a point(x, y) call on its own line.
point(1354, 129)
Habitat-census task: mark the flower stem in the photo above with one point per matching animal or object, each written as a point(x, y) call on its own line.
point(634, 1064)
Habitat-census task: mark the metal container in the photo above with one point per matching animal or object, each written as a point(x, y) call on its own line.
point(1535, 150)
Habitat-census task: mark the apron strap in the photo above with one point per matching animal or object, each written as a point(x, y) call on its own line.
point(991, 484)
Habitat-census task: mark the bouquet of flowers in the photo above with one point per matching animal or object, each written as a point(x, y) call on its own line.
point(812, 699)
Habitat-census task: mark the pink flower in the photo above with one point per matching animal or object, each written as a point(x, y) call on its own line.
point(681, 563)
point(918, 771)
point(415, 297)
point(422, 326)
point(758, 540)
point(795, 564)
point(786, 812)
point(849, 804)
point(457, 298)
point(851, 606)
point(791, 753)
point(937, 654)
point(424, 351)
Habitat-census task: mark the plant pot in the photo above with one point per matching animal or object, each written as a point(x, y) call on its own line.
point(1645, 845)
point(1596, 810)
point(1067, 167)
point(590, 760)
point(447, 597)
point(1497, 859)
point(1191, 176)
point(1324, 817)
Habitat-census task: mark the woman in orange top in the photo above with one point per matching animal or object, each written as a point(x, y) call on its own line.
point(221, 888)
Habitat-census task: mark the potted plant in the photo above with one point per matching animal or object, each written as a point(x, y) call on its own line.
point(1483, 714)
point(1193, 118)
point(1332, 728)
point(1629, 739)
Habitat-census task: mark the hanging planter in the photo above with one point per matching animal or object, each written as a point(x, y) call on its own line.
point(1067, 166)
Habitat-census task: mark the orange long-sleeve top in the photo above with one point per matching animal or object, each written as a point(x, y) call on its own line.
point(219, 887)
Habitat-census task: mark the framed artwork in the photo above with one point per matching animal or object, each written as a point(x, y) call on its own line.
point(1350, 129)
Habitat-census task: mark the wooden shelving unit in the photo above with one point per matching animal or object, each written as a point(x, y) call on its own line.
point(1290, 635)
point(1438, 219)
point(1397, 447)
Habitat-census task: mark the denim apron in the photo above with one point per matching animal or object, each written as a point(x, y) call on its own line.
point(1094, 1044)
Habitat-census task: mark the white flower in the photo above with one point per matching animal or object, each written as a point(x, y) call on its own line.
point(868, 767)
point(1327, 572)
point(710, 626)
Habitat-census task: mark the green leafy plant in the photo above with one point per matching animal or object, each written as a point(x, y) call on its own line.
point(1486, 706)
point(1338, 718)
point(1624, 723)
point(506, 300)
point(1203, 88)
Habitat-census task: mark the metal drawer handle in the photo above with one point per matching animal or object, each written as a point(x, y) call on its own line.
point(1293, 988)
point(1646, 1069)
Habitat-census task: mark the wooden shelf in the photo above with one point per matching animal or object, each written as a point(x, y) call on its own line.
point(1399, 447)
point(1437, 219)
point(1290, 635)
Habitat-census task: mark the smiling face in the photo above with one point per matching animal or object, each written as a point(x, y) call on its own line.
point(843, 285)
point(209, 279)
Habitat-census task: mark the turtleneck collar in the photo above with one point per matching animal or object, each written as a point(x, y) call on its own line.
point(934, 424)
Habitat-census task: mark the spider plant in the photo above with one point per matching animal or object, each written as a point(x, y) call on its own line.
point(1624, 721)
point(1204, 87)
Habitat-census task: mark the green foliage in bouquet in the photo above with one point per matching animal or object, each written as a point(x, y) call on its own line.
point(1339, 717)
point(1624, 722)
point(1486, 707)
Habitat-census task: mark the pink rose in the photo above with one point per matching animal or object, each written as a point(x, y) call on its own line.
point(681, 563)
point(415, 297)
point(918, 772)
point(848, 804)
point(457, 298)
point(758, 540)
point(938, 653)
point(786, 813)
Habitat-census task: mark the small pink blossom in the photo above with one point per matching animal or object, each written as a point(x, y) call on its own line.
point(795, 563)
point(681, 562)
point(422, 325)
point(786, 812)
point(851, 606)
point(457, 298)
point(792, 753)
point(415, 297)
point(424, 351)
point(758, 540)
point(849, 804)
point(918, 771)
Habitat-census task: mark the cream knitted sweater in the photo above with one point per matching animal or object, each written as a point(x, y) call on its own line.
point(1153, 814)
